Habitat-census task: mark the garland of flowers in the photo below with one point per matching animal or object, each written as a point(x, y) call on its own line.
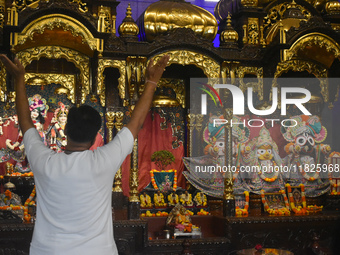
point(304, 174)
point(297, 210)
point(267, 179)
point(170, 198)
point(153, 181)
point(331, 181)
point(156, 199)
point(10, 207)
point(243, 212)
point(282, 211)
point(29, 201)
point(199, 200)
point(15, 146)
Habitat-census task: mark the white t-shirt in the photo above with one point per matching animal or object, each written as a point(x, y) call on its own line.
point(74, 191)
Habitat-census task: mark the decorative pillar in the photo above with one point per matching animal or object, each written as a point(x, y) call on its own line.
point(228, 196)
point(134, 203)
point(117, 187)
point(2, 13)
point(198, 125)
point(190, 126)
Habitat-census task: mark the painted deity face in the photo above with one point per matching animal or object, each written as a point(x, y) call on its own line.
point(306, 141)
point(62, 118)
point(219, 146)
point(34, 114)
point(264, 152)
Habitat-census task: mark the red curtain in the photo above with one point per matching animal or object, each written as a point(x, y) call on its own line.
point(150, 139)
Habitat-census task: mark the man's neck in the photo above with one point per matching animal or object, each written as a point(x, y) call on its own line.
point(76, 147)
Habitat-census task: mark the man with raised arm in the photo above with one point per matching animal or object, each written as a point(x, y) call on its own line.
point(74, 188)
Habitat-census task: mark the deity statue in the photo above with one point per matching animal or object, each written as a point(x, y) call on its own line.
point(200, 199)
point(180, 219)
point(214, 135)
point(186, 199)
point(145, 200)
point(158, 199)
point(265, 165)
point(56, 131)
point(38, 108)
point(305, 153)
point(173, 199)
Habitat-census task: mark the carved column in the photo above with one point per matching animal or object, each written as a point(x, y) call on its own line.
point(134, 203)
point(198, 125)
point(228, 196)
point(190, 127)
point(117, 187)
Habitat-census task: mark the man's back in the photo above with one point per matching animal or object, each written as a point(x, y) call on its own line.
point(74, 196)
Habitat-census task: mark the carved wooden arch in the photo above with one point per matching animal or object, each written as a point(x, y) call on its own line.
point(321, 40)
point(106, 63)
point(298, 65)
point(184, 57)
point(67, 23)
point(81, 61)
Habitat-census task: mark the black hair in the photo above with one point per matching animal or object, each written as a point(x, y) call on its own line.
point(83, 124)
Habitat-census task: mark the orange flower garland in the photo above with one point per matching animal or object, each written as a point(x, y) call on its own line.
point(153, 182)
point(27, 216)
point(299, 210)
point(243, 212)
point(282, 211)
point(263, 177)
point(10, 207)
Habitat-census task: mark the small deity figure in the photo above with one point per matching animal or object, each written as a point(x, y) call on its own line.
point(145, 200)
point(186, 199)
point(9, 198)
point(56, 131)
point(173, 199)
point(158, 199)
point(305, 153)
point(38, 108)
point(265, 156)
point(200, 199)
point(180, 219)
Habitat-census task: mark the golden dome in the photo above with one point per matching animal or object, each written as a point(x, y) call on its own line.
point(128, 28)
point(163, 16)
point(229, 35)
point(332, 7)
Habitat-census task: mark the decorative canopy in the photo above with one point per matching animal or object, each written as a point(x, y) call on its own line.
point(164, 16)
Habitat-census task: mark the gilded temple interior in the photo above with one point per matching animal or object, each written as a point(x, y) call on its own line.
point(96, 52)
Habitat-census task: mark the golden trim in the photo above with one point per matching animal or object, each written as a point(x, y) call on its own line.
point(55, 52)
point(190, 125)
point(253, 31)
point(318, 39)
point(52, 21)
point(65, 80)
point(275, 14)
point(257, 86)
point(81, 6)
point(2, 13)
point(303, 65)
point(105, 63)
point(177, 85)
point(183, 57)
point(3, 87)
point(134, 182)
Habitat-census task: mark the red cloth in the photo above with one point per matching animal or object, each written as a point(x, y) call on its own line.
point(150, 139)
